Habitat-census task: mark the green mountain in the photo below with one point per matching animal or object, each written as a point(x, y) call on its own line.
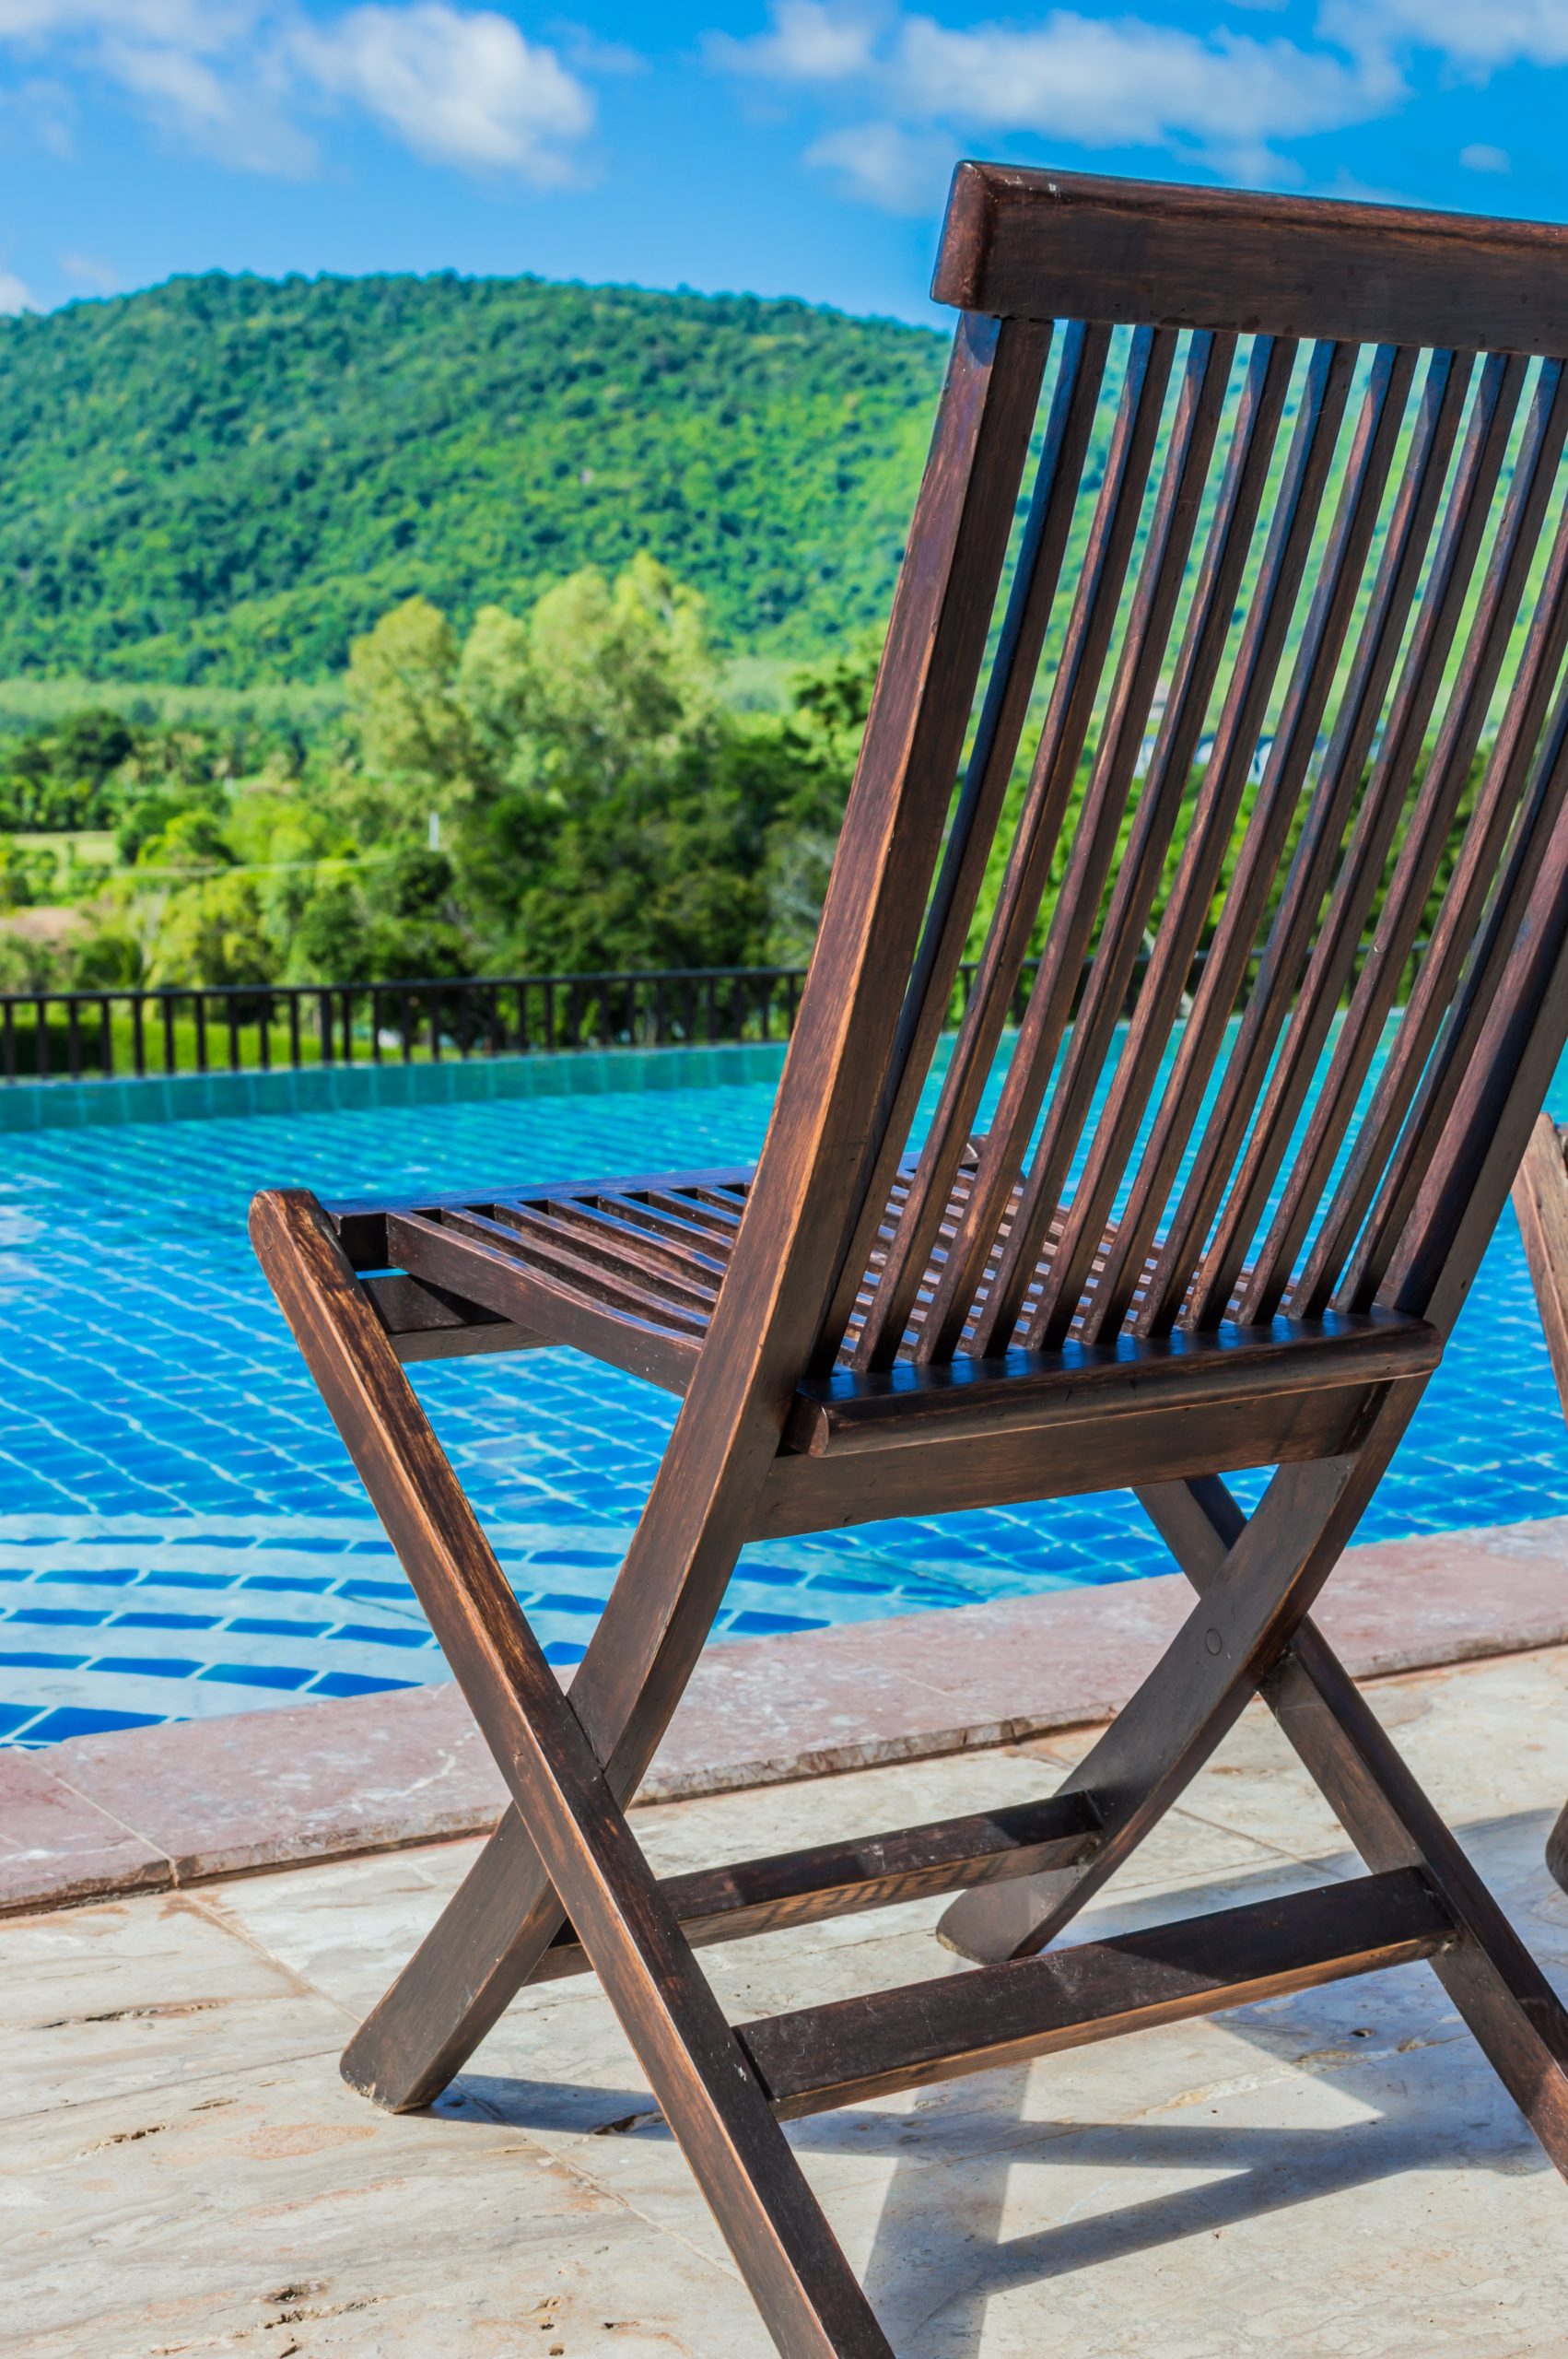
point(224, 479)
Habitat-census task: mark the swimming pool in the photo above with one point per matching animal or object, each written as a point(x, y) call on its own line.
point(181, 1534)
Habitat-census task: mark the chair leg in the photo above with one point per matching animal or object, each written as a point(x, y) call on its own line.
point(1494, 1983)
point(1557, 1849)
point(696, 2069)
point(1194, 1695)
point(492, 1932)
point(462, 1978)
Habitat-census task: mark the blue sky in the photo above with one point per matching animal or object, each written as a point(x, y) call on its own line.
point(801, 147)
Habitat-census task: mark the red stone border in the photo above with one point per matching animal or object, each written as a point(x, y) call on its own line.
point(152, 1808)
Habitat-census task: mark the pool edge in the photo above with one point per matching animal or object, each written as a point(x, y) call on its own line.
point(188, 1802)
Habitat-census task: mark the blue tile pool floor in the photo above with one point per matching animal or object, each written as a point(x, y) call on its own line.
point(182, 1533)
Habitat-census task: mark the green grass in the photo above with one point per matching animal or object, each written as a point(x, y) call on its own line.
point(247, 1056)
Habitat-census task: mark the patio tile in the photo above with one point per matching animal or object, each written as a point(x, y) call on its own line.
point(1331, 2172)
point(135, 1998)
point(275, 2210)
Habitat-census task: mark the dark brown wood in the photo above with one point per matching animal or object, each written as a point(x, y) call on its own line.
point(1241, 722)
point(1067, 1459)
point(787, 1251)
point(773, 2223)
point(1540, 1200)
point(611, 1324)
point(1040, 1390)
point(838, 1323)
point(1329, 621)
point(1429, 833)
point(424, 1323)
point(1062, 738)
point(1247, 1078)
point(1493, 1980)
point(818, 2058)
point(1071, 245)
point(1126, 923)
point(869, 1872)
point(998, 733)
point(1557, 1849)
point(360, 1222)
point(1193, 1697)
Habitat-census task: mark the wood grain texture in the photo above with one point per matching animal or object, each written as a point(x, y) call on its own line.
point(816, 2057)
point(801, 1494)
point(699, 2076)
point(1494, 1983)
point(1541, 1202)
point(1038, 1391)
point(1073, 245)
point(869, 1872)
point(807, 1199)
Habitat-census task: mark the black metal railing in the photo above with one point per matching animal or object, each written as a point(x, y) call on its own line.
point(234, 1028)
point(195, 1028)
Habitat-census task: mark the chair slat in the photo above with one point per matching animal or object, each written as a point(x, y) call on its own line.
point(720, 1225)
point(1053, 503)
point(850, 2049)
point(1289, 948)
point(1290, 759)
point(629, 1247)
point(553, 1251)
point(1384, 1244)
point(639, 1212)
point(1137, 879)
point(1059, 972)
point(1427, 840)
point(1308, 469)
point(1068, 720)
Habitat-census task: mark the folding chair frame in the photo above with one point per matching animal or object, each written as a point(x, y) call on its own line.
point(1540, 1200)
point(562, 1886)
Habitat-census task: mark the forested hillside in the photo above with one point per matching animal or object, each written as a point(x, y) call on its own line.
point(225, 479)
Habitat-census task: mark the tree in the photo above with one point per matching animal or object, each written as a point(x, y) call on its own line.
point(213, 932)
point(414, 733)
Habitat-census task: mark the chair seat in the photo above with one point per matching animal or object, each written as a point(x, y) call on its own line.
point(630, 1270)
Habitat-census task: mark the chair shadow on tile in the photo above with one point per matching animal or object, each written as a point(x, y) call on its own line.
point(937, 2254)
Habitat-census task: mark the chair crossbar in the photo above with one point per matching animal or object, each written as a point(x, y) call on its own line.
point(814, 2058)
point(825, 1880)
point(1088, 1384)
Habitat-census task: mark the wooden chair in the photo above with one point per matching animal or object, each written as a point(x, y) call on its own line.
point(1313, 564)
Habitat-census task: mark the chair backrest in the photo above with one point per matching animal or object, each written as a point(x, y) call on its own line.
point(1227, 648)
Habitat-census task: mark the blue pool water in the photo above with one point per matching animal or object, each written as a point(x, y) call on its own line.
point(182, 1533)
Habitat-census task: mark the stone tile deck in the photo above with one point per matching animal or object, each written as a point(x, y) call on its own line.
point(1333, 2174)
point(179, 1804)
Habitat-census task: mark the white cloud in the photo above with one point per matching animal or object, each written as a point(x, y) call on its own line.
point(1093, 82)
point(14, 295)
point(91, 271)
point(1502, 32)
point(457, 85)
point(903, 171)
point(1131, 84)
point(810, 42)
point(1480, 158)
point(192, 25)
